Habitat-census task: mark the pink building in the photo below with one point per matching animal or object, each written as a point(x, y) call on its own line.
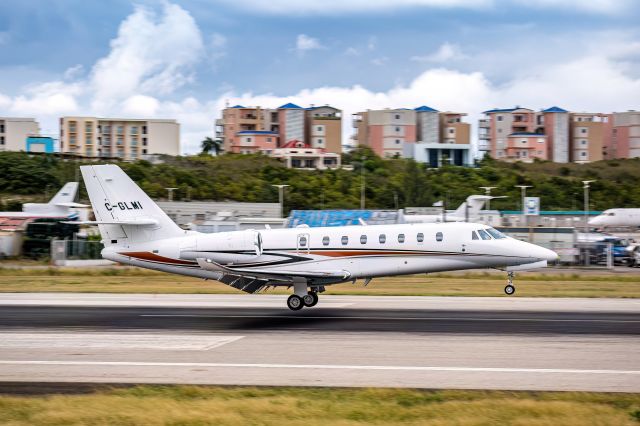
point(387, 131)
point(254, 141)
point(526, 146)
point(625, 136)
point(300, 155)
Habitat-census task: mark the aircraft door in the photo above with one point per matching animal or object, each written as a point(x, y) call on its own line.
point(303, 243)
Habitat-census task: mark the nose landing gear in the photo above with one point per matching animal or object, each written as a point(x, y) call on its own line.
point(510, 289)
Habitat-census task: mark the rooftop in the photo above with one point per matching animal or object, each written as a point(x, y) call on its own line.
point(289, 106)
point(426, 108)
point(554, 109)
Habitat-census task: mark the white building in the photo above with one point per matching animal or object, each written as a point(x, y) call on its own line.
point(14, 132)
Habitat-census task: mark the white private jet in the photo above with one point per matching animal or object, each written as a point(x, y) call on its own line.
point(59, 207)
point(137, 232)
point(616, 217)
point(468, 210)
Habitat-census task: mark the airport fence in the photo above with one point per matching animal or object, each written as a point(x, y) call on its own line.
point(76, 252)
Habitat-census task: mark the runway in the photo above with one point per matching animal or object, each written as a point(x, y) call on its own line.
point(425, 342)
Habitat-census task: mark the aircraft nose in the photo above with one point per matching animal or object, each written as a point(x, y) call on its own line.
point(546, 254)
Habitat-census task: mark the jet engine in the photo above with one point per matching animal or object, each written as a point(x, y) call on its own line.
point(228, 247)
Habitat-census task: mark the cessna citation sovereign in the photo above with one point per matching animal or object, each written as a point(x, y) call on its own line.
point(137, 232)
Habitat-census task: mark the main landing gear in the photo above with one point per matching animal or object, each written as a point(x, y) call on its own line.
point(295, 302)
point(509, 289)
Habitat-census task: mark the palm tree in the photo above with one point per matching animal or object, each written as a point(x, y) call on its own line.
point(209, 144)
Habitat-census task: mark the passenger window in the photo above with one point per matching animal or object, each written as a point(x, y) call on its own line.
point(401, 238)
point(363, 239)
point(303, 241)
point(345, 240)
point(382, 238)
point(325, 241)
point(474, 236)
point(420, 237)
point(483, 235)
point(439, 236)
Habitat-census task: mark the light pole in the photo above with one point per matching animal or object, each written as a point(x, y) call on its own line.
point(487, 192)
point(523, 192)
point(585, 187)
point(281, 197)
point(170, 193)
point(362, 184)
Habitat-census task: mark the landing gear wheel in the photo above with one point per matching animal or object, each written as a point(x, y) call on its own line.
point(310, 299)
point(295, 303)
point(509, 289)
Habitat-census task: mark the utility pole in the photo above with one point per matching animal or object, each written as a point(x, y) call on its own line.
point(523, 192)
point(281, 197)
point(362, 185)
point(170, 193)
point(487, 191)
point(585, 187)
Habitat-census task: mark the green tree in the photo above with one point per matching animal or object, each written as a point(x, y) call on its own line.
point(209, 144)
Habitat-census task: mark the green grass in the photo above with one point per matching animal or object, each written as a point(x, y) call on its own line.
point(203, 405)
point(134, 280)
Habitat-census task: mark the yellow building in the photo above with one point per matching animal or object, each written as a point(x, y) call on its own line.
point(125, 138)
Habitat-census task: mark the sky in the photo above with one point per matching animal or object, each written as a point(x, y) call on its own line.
point(188, 59)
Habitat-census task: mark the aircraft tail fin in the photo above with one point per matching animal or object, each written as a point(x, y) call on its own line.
point(121, 207)
point(66, 194)
point(472, 206)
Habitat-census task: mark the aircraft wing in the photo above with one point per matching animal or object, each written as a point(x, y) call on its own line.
point(252, 280)
point(132, 222)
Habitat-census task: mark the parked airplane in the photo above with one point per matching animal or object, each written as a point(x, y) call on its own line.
point(468, 210)
point(59, 207)
point(137, 232)
point(616, 217)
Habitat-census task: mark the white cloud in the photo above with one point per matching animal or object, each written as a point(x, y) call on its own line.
point(305, 43)
point(447, 52)
point(332, 7)
point(51, 98)
point(610, 7)
point(73, 72)
point(151, 54)
point(140, 106)
point(382, 60)
point(352, 51)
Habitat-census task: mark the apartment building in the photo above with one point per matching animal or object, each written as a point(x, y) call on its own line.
point(521, 134)
point(14, 132)
point(423, 133)
point(590, 135)
point(324, 128)
point(386, 131)
point(125, 138)
point(301, 155)
point(247, 130)
point(625, 135)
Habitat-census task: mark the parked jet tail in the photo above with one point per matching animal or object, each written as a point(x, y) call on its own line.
point(66, 195)
point(475, 204)
point(124, 213)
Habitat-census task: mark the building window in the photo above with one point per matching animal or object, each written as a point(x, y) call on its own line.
point(420, 237)
point(583, 130)
point(320, 141)
point(1, 140)
point(325, 241)
point(499, 118)
point(1, 128)
point(451, 131)
point(144, 151)
point(583, 142)
point(144, 141)
point(344, 240)
point(144, 130)
point(319, 128)
point(401, 238)
point(439, 236)
point(382, 238)
point(120, 130)
point(397, 116)
point(363, 239)
point(134, 130)
point(397, 129)
point(397, 141)
point(268, 139)
point(583, 154)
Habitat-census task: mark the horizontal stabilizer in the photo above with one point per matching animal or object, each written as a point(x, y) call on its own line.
point(132, 222)
point(71, 204)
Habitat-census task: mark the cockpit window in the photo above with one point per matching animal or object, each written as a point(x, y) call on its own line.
point(495, 233)
point(474, 236)
point(483, 234)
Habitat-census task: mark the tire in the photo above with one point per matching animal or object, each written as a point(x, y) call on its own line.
point(310, 299)
point(295, 303)
point(509, 290)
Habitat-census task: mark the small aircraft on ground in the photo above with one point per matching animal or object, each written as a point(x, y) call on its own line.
point(60, 206)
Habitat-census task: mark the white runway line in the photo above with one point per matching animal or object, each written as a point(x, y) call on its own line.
point(320, 366)
point(387, 318)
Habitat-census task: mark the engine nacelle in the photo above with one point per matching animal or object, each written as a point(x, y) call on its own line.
point(228, 247)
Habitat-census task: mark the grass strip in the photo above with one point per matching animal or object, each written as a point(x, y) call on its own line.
point(199, 405)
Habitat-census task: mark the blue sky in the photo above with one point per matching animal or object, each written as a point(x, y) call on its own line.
point(185, 59)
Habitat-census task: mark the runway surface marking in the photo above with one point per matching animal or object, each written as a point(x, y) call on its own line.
point(321, 366)
point(118, 341)
point(384, 318)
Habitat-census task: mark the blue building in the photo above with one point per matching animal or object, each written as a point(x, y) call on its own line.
point(44, 144)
